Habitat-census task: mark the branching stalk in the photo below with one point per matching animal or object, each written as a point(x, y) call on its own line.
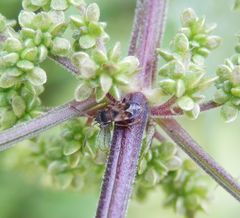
point(203, 159)
point(126, 143)
point(35, 126)
point(168, 112)
point(147, 33)
point(122, 164)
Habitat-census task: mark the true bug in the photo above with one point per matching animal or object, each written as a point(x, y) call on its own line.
point(121, 113)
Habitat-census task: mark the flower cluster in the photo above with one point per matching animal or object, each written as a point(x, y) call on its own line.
point(42, 32)
point(88, 31)
point(58, 5)
point(103, 72)
point(228, 88)
point(183, 74)
point(155, 164)
point(69, 157)
point(186, 192)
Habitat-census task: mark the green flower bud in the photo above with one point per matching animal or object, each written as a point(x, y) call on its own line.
point(167, 150)
point(213, 42)
point(57, 166)
point(18, 106)
point(7, 119)
point(235, 77)
point(87, 41)
point(95, 29)
point(25, 65)
point(174, 163)
point(25, 18)
point(186, 103)
point(86, 65)
point(224, 72)
point(71, 148)
point(37, 76)
point(106, 83)
point(30, 54)
point(9, 59)
point(188, 17)
point(151, 177)
point(229, 113)
point(129, 64)
point(93, 12)
point(100, 94)
point(42, 53)
point(168, 86)
point(166, 55)
point(83, 92)
point(181, 43)
point(12, 45)
point(54, 153)
point(236, 91)
point(76, 20)
point(7, 81)
point(60, 46)
point(193, 114)
point(180, 88)
point(59, 5)
point(221, 97)
point(63, 180)
point(99, 56)
point(73, 160)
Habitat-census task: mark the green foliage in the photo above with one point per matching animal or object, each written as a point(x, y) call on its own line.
point(185, 190)
point(228, 88)
point(183, 76)
point(70, 159)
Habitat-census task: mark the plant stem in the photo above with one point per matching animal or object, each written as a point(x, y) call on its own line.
point(44, 122)
point(122, 164)
point(147, 33)
point(203, 159)
point(66, 63)
point(168, 112)
point(126, 143)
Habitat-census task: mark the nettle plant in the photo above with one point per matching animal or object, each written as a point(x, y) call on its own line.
point(139, 157)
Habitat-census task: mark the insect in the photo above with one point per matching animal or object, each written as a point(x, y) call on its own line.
point(121, 113)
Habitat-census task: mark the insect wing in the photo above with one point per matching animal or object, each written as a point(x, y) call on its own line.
point(104, 138)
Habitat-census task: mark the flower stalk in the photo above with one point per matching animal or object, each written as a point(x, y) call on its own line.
point(203, 159)
point(48, 120)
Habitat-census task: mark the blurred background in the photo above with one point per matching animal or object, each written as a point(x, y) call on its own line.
point(21, 197)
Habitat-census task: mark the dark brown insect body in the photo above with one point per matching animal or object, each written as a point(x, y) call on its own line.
point(120, 112)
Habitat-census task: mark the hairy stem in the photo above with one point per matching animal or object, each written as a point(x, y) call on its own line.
point(166, 111)
point(122, 164)
point(203, 159)
point(126, 143)
point(44, 122)
point(66, 63)
point(147, 33)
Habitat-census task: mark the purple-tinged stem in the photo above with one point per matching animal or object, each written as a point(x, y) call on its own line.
point(147, 33)
point(203, 159)
point(168, 112)
point(35, 126)
point(66, 63)
point(122, 164)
